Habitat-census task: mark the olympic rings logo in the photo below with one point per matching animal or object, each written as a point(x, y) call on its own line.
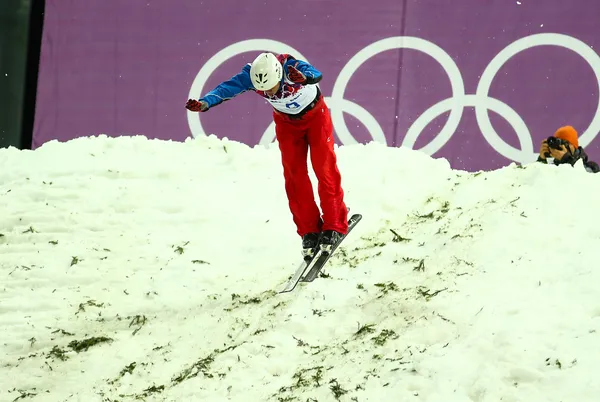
point(481, 100)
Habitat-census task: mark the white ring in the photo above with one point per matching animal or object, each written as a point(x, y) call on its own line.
point(396, 42)
point(473, 100)
point(579, 47)
point(347, 106)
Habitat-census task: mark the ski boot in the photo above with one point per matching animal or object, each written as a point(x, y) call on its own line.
point(310, 241)
point(328, 239)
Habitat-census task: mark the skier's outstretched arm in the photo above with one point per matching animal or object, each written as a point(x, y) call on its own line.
point(225, 91)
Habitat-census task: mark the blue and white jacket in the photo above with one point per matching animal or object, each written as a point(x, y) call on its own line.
point(291, 98)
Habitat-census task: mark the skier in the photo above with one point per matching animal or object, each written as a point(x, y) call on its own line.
point(302, 121)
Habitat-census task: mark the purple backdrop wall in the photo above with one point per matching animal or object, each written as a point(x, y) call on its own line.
point(125, 67)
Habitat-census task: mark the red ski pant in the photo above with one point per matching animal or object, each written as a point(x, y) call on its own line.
point(296, 136)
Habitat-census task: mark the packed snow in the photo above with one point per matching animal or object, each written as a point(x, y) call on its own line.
point(135, 269)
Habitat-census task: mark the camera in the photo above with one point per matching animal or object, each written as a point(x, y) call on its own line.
point(559, 143)
point(556, 143)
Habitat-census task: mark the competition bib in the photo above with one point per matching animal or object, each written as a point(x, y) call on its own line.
point(292, 99)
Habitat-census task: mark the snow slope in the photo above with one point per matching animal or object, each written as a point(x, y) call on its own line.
point(145, 270)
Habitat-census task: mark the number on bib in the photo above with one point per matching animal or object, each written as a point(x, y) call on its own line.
point(292, 105)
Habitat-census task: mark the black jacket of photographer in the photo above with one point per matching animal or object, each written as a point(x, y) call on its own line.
point(570, 157)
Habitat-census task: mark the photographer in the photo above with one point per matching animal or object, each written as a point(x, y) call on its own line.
point(564, 148)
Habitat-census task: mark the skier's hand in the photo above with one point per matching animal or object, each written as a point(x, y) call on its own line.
point(295, 75)
point(196, 105)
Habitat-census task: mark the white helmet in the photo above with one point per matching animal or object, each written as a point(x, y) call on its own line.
point(265, 72)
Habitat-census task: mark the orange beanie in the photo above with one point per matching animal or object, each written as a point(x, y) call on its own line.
point(568, 133)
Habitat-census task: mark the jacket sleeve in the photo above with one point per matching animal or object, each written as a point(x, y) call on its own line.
point(589, 165)
point(592, 167)
point(313, 76)
point(229, 89)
